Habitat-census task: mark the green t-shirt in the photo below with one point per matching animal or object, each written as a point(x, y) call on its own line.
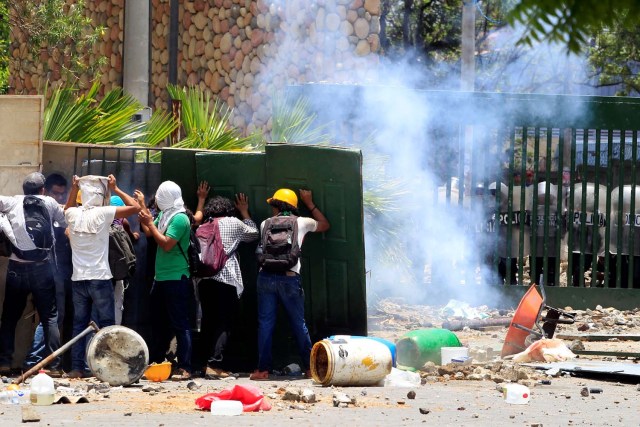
point(171, 265)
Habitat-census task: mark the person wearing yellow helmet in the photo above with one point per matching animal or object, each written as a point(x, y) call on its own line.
point(279, 278)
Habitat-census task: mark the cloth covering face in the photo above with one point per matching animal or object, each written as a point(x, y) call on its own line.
point(94, 192)
point(169, 201)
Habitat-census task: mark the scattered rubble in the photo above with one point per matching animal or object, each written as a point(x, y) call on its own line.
point(342, 400)
point(292, 394)
point(29, 414)
point(308, 396)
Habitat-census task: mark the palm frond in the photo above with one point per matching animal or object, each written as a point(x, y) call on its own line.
point(207, 124)
point(293, 122)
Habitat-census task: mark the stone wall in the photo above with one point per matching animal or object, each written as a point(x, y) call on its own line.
point(28, 75)
point(240, 50)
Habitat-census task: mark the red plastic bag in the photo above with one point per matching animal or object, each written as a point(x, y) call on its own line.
point(250, 396)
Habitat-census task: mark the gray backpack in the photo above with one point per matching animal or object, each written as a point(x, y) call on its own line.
point(280, 249)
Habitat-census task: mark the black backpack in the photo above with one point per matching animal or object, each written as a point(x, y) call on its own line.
point(122, 255)
point(279, 243)
point(193, 253)
point(39, 228)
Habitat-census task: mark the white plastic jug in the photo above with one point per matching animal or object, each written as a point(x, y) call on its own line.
point(226, 407)
point(516, 394)
point(42, 389)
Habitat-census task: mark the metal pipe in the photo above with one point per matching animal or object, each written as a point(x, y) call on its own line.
point(458, 325)
point(44, 362)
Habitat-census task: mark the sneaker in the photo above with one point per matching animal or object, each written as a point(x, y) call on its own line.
point(54, 373)
point(216, 374)
point(180, 374)
point(259, 375)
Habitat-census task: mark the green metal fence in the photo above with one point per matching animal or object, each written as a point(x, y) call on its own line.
point(555, 175)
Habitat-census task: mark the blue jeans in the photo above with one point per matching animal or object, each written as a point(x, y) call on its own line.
point(22, 279)
point(170, 301)
point(288, 290)
point(88, 293)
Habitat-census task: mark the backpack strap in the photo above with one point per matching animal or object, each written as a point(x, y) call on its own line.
point(188, 231)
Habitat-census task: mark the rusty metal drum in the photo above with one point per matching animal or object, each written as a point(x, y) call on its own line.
point(117, 355)
point(345, 361)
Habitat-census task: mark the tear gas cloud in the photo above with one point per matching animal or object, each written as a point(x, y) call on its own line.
point(422, 244)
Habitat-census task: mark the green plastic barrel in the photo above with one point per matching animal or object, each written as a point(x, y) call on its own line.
point(416, 348)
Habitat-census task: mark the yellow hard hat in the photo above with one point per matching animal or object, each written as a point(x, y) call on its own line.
point(285, 195)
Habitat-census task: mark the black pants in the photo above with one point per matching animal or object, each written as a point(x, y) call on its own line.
point(219, 303)
point(502, 270)
point(548, 277)
point(22, 279)
point(624, 272)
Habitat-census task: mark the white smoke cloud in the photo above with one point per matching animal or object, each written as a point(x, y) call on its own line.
point(431, 246)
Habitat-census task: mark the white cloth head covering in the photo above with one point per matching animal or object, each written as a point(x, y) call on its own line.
point(94, 192)
point(169, 201)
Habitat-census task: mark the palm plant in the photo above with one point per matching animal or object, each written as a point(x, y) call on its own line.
point(83, 118)
point(293, 122)
point(207, 126)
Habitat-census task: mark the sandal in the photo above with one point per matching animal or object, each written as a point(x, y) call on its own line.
point(216, 374)
point(181, 374)
point(259, 375)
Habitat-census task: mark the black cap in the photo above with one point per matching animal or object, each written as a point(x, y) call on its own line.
point(33, 183)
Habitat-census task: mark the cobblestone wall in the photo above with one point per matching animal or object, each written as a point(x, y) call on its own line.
point(240, 50)
point(28, 75)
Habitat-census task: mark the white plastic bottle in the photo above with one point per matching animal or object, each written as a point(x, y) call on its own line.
point(516, 394)
point(14, 397)
point(226, 407)
point(42, 389)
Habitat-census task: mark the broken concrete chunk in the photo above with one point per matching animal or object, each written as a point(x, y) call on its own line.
point(291, 394)
point(29, 415)
point(576, 345)
point(308, 396)
point(553, 372)
point(342, 400)
point(193, 385)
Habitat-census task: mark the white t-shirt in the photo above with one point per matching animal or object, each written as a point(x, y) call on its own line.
point(90, 250)
point(305, 225)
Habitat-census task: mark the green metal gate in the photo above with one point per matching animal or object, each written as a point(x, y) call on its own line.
point(555, 175)
point(333, 273)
